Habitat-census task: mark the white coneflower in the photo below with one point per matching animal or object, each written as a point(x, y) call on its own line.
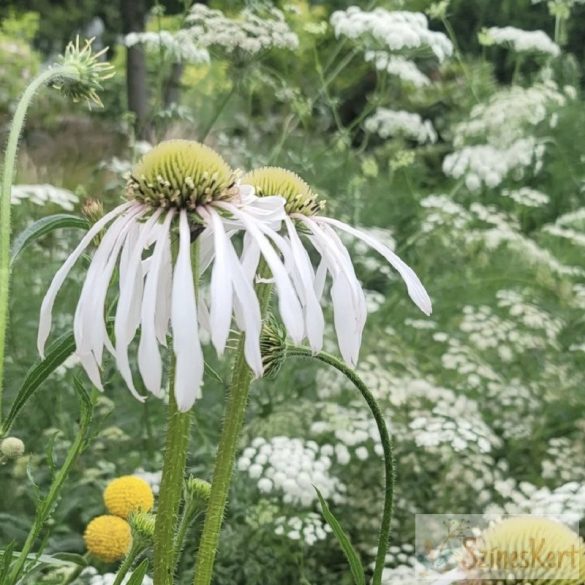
point(184, 184)
point(349, 304)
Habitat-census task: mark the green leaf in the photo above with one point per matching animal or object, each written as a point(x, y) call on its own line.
point(42, 227)
point(357, 570)
point(138, 573)
point(72, 558)
point(57, 353)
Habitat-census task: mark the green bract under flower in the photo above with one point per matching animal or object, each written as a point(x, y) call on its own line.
point(270, 181)
point(181, 174)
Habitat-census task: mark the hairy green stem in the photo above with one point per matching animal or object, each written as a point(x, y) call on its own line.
point(389, 465)
point(45, 509)
point(133, 553)
point(226, 452)
point(171, 487)
point(5, 194)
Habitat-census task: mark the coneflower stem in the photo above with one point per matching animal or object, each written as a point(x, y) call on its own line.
point(133, 553)
point(389, 464)
point(171, 487)
point(235, 411)
point(5, 194)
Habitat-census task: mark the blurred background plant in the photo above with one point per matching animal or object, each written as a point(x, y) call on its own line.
point(453, 131)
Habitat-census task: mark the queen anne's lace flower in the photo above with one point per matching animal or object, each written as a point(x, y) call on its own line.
point(400, 67)
point(522, 41)
point(43, 195)
point(180, 45)
point(249, 33)
point(387, 123)
point(394, 31)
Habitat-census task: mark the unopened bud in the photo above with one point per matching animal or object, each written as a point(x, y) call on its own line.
point(12, 448)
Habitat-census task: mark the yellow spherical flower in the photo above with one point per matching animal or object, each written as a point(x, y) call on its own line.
point(128, 494)
point(532, 549)
point(108, 538)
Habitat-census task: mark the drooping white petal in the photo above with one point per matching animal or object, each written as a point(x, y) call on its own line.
point(416, 290)
point(349, 307)
point(163, 292)
point(189, 357)
point(149, 359)
point(128, 311)
point(314, 320)
point(49, 300)
point(250, 256)
point(221, 292)
point(289, 306)
point(246, 302)
point(89, 325)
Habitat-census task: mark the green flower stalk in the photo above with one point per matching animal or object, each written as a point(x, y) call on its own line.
point(78, 74)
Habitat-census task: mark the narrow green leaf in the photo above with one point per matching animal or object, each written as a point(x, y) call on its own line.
point(72, 558)
point(7, 555)
point(139, 573)
point(355, 564)
point(57, 353)
point(42, 227)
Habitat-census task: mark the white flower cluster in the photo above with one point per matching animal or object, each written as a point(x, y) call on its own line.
point(309, 528)
point(249, 32)
point(442, 211)
point(351, 429)
point(460, 358)
point(292, 466)
point(180, 45)
point(577, 238)
point(521, 41)
point(393, 31)
point(529, 315)
point(489, 165)
point(388, 123)
point(527, 197)
point(432, 431)
point(504, 118)
point(567, 500)
point(486, 330)
point(43, 195)
point(108, 578)
point(152, 478)
point(561, 456)
point(405, 69)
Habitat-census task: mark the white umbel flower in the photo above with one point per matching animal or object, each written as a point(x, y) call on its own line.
point(349, 302)
point(185, 187)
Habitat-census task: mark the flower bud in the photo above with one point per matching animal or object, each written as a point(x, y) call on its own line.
point(198, 490)
point(12, 448)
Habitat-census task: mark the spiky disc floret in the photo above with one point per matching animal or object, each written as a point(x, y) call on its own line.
point(270, 181)
point(181, 174)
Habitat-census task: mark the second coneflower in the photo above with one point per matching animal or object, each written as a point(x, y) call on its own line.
point(304, 218)
point(187, 187)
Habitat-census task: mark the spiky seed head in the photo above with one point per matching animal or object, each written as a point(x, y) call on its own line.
point(82, 72)
point(270, 181)
point(181, 174)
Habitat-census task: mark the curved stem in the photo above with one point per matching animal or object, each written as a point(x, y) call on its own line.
point(171, 487)
point(389, 464)
point(5, 194)
point(226, 452)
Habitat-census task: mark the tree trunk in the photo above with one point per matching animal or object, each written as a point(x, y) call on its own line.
point(134, 20)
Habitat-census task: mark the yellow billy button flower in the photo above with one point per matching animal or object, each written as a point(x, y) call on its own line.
point(128, 494)
point(179, 186)
point(108, 538)
point(305, 220)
